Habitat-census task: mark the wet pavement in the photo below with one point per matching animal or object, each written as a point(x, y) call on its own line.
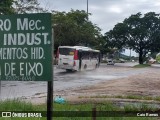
point(66, 80)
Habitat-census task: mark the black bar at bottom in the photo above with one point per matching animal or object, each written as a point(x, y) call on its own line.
point(80, 114)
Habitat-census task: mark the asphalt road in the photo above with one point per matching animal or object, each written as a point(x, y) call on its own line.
point(66, 80)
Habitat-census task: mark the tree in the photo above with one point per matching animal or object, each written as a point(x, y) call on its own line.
point(6, 7)
point(140, 33)
point(20, 6)
point(27, 6)
point(73, 28)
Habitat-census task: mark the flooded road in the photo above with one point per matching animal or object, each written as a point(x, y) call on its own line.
point(64, 81)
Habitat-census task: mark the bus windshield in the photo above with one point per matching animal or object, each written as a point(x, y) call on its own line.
point(66, 51)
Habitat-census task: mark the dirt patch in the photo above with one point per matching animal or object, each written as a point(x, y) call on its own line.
point(145, 84)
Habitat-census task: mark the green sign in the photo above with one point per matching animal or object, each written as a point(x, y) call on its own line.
point(26, 47)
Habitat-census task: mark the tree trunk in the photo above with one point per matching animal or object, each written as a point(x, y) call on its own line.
point(140, 57)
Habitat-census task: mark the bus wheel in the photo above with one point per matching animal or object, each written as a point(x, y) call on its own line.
point(85, 66)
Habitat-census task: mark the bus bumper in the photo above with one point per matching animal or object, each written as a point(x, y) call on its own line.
point(66, 67)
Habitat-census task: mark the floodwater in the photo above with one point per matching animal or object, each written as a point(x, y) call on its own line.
point(64, 81)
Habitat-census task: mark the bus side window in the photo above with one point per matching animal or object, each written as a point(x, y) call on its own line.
point(85, 55)
point(91, 55)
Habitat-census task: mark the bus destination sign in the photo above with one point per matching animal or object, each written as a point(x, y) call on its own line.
point(26, 47)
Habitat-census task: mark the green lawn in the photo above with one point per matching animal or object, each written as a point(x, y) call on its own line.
point(141, 66)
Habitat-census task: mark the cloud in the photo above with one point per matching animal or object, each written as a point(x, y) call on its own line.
point(105, 13)
point(115, 9)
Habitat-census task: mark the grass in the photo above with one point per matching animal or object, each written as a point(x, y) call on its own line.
point(141, 66)
point(17, 105)
point(136, 97)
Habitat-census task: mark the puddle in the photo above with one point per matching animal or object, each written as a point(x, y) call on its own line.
point(104, 77)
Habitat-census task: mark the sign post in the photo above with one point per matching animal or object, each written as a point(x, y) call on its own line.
point(50, 100)
point(26, 50)
point(50, 91)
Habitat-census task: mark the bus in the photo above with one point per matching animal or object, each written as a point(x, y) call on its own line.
point(77, 58)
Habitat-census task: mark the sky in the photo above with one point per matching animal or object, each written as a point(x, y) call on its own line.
point(105, 13)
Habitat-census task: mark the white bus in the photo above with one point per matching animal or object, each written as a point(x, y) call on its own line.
point(77, 58)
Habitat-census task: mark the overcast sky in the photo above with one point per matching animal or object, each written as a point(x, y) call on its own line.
point(105, 13)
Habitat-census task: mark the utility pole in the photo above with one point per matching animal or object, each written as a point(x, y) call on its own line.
point(87, 9)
